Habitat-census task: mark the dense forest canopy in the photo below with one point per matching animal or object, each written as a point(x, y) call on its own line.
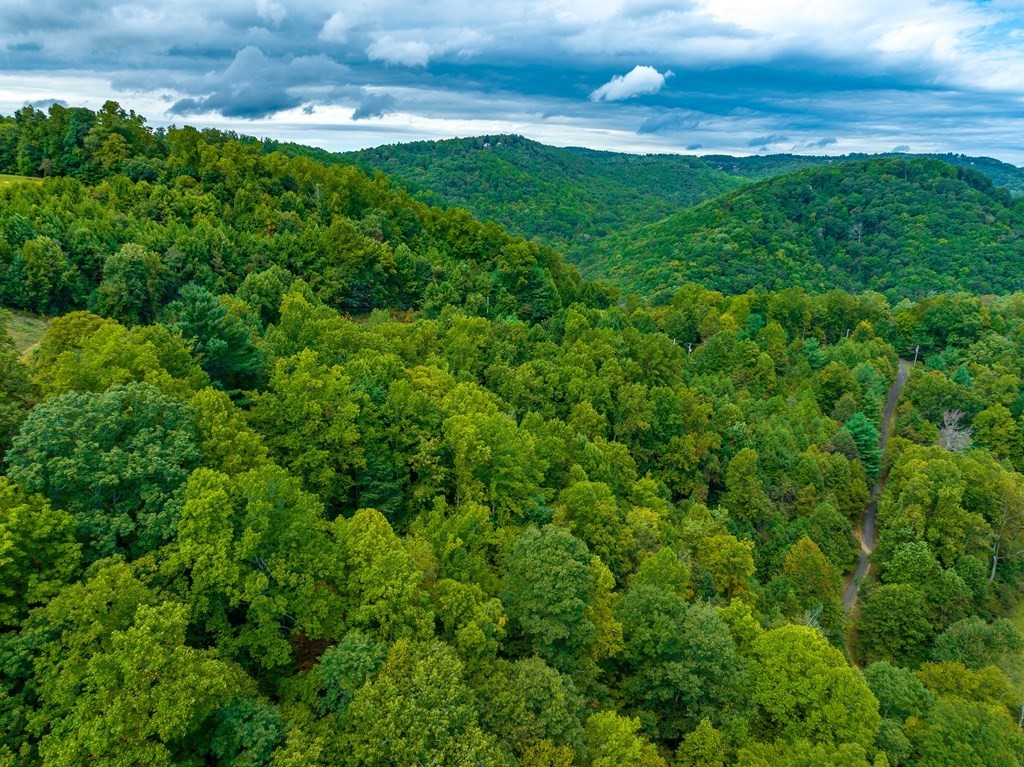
point(572, 197)
point(305, 472)
point(901, 227)
point(564, 197)
point(217, 209)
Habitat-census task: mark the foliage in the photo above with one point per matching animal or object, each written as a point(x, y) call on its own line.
point(903, 227)
point(115, 461)
point(134, 214)
point(341, 479)
point(802, 688)
point(572, 197)
point(38, 552)
point(564, 196)
point(15, 387)
point(418, 709)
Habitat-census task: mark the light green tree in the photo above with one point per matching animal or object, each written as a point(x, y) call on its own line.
point(613, 741)
point(704, 746)
point(38, 552)
point(418, 710)
point(253, 556)
point(803, 688)
point(146, 699)
point(379, 580)
point(307, 416)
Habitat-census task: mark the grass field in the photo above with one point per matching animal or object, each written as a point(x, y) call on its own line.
point(6, 179)
point(25, 329)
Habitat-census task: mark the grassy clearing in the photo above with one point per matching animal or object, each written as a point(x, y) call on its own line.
point(25, 329)
point(6, 179)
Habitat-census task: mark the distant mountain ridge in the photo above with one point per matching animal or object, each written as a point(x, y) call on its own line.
point(564, 197)
point(567, 197)
point(760, 167)
point(902, 227)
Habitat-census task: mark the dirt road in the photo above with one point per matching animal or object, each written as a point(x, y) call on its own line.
point(867, 523)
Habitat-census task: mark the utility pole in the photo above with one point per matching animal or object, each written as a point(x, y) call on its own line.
point(916, 350)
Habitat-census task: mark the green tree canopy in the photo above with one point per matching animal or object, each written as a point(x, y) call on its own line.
point(803, 688)
point(116, 461)
point(418, 710)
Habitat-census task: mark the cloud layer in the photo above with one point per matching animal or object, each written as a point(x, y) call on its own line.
point(791, 75)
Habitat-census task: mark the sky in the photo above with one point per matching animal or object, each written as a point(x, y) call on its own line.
point(689, 76)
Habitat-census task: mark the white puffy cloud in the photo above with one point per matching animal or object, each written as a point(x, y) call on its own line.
point(271, 11)
point(336, 28)
point(640, 81)
point(417, 52)
point(408, 53)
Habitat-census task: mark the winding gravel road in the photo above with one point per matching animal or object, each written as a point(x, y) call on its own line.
point(867, 524)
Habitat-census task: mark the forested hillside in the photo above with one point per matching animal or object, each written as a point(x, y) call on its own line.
point(759, 167)
point(903, 227)
point(564, 197)
point(216, 210)
point(305, 472)
point(572, 197)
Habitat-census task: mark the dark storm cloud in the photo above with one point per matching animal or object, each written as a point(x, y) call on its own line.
point(670, 122)
point(374, 105)
point(43, 104)
point(773, 138)
point(254, 85)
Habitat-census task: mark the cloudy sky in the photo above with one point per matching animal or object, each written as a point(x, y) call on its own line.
point(738, 76)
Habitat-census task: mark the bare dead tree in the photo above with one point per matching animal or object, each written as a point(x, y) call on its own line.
point(952, 436)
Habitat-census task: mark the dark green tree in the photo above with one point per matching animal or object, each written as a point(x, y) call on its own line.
point(679, 664)
point(115, 461)
point(222, 342)
point(548, 592)
point(894, 625)
point(865, 437)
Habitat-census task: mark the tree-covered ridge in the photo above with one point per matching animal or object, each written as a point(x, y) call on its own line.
point(568, 197)
point(897, 226)
point(572, 197)
point(564, 197)
point(132, 214)
point(759, 167)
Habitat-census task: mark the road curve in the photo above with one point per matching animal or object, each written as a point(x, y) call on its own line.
point(867, 524)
